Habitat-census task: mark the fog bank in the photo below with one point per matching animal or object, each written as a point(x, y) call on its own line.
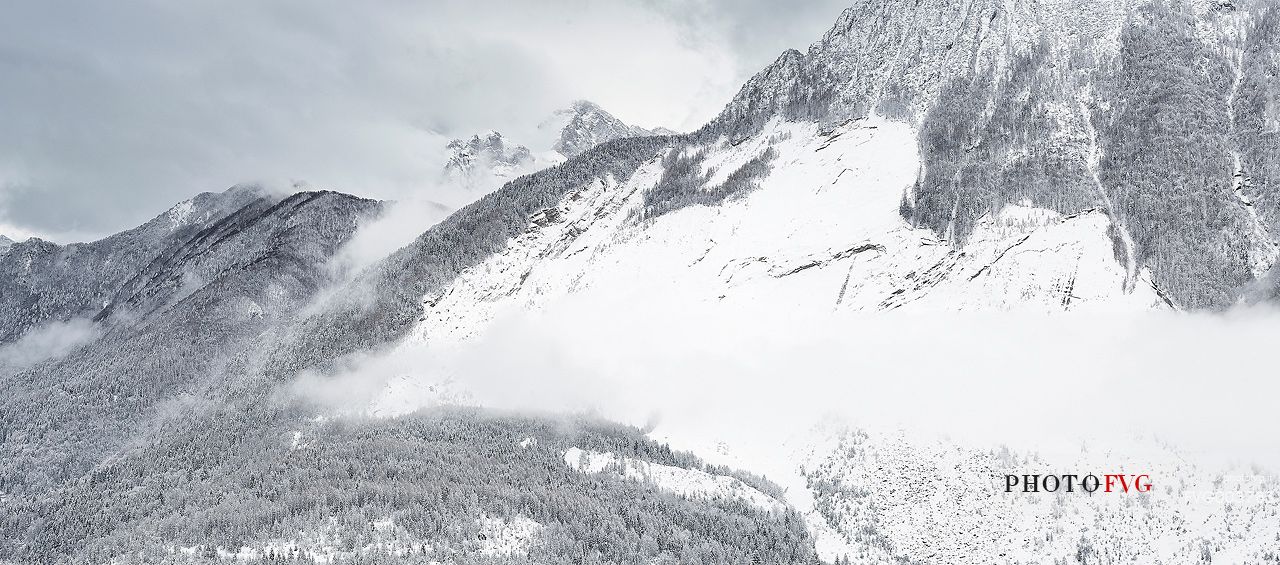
point(1199, 382)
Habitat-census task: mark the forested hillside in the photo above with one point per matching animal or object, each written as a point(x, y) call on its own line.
point(181, 334)
point(256, 479)
point(42, 282)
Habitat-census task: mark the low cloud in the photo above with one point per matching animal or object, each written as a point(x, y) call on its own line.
point(45, 342)
point(114, 112)
point(399, 224)
point(1200, 382)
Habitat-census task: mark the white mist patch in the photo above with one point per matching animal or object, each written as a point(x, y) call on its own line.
point(1197, 381)
point(354, 383)
point(49, 341)
point(399, 224)
point(1185, 397)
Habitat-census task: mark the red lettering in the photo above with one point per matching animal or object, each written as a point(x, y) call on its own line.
point(1140, 486)
point(1124, 482)
point(1110, 481)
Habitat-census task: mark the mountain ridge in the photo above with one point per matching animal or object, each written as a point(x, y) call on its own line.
point(78, 278)
point(587, 125)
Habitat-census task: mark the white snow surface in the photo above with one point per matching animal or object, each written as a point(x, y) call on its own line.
point(405, 393)
point(821, 233)
point(687, 483)
point(503, 537)
point(180, 213)
point(325, 544)
point(184, 214)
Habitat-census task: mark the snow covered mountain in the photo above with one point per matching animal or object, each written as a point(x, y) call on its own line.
point(487, 161)
point(1043, 102)
point(819, 231)
point(933, 157)
point(584, 125)
point(43, 282)
point(205, 281)
point(922, 156)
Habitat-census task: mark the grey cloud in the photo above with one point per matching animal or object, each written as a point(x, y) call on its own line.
point(756, 30)
point(111, 112)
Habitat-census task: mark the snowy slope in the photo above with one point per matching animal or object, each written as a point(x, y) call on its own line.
point(688, 483)
point(821, 233)
point(42, 282)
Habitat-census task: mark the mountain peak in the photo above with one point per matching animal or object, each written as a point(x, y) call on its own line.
point(207, 205)
point(584, 124)
point(858, 68)
point(487, 160)
point(488, 145)
point(582, 106)
point(470, 161)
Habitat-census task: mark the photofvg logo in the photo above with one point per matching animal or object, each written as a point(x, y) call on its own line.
point(1090, 483)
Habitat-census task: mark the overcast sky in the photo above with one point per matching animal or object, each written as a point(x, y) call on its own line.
point(110, 112)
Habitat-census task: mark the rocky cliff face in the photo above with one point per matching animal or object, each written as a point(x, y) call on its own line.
point(1070, 106)
point(896, 57)
point(486, 159)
